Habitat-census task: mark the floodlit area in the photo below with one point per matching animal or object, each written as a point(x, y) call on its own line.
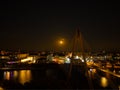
point(61, 60)
point(29, 59)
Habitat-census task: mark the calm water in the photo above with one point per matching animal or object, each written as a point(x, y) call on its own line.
point(10, 79)
point(21, 76)
point(38, 79)
point(43, 77)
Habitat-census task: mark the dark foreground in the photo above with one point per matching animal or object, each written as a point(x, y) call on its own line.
point(51, 76)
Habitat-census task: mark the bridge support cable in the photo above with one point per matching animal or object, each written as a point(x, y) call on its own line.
point(79, 45)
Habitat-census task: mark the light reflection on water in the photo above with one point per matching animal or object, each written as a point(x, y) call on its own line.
point(21, 76)
point(1, 88)
point(104, 82)
point(7, 75)
point(24, 76)
point(15, 73)
point(92, 73)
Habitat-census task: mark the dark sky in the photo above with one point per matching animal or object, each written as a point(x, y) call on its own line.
point(36, 25)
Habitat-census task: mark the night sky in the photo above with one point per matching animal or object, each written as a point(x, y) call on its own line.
point(37, 25)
